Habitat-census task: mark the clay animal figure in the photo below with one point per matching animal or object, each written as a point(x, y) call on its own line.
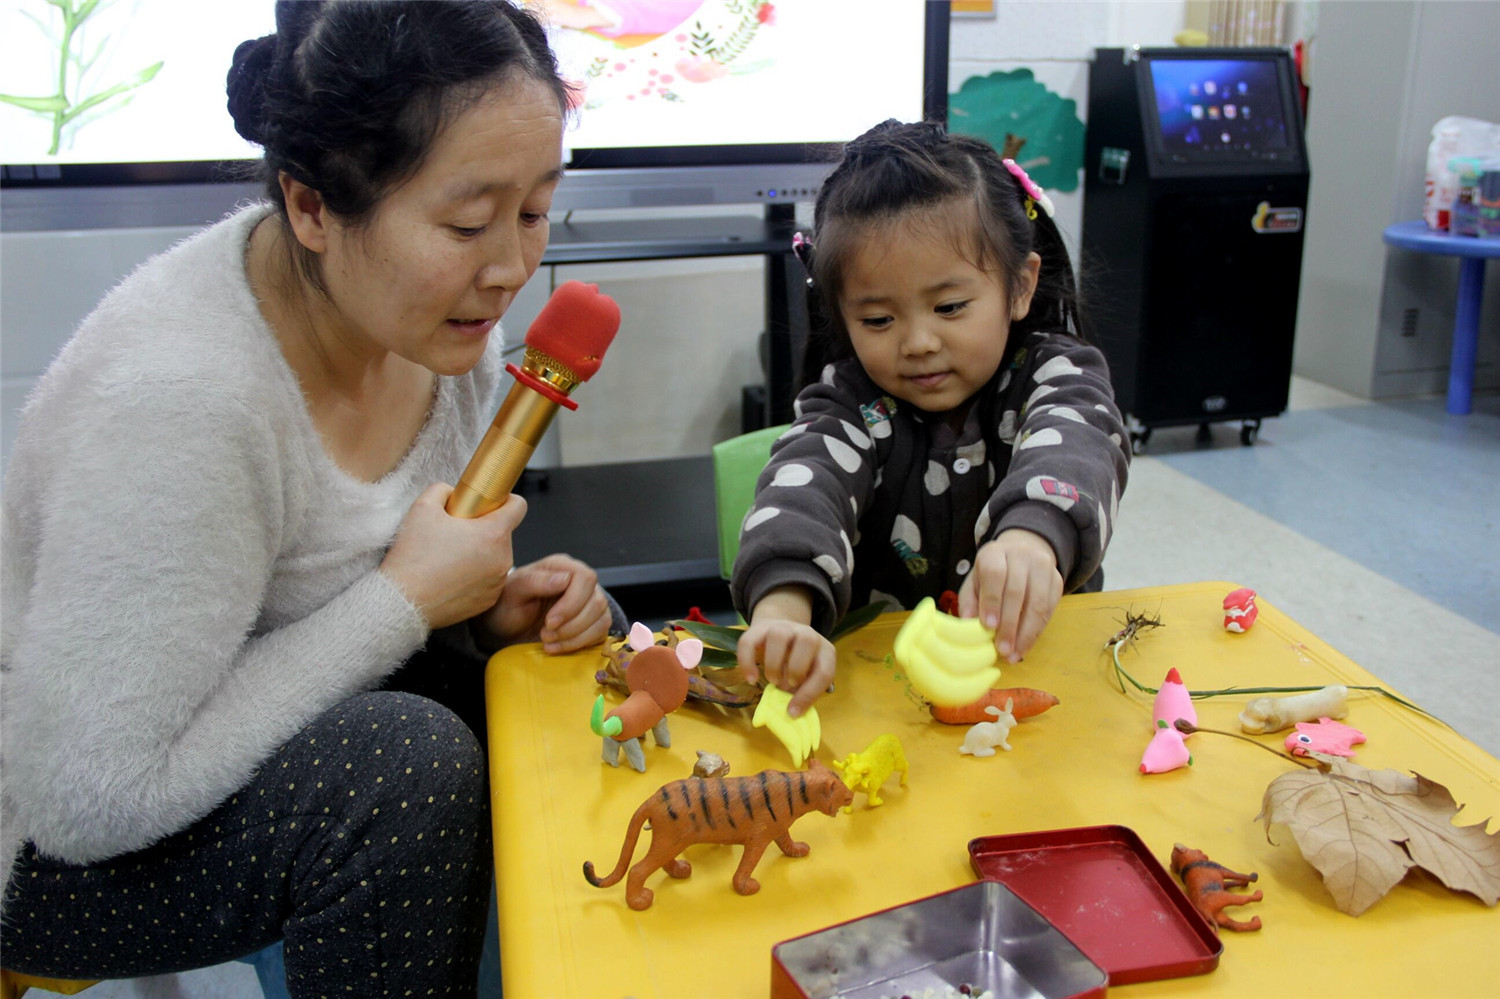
point(1173, 702)
point(1324, 736)
point(657, 678)
point(755, 811)
point(982, 738)
point(1166, 751)
point(868, 770)
point(1207, 884)
point(710, 765)
point(1240, 611)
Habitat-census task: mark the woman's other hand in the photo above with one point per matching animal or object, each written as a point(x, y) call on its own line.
point(556, 600)
point(452, 568)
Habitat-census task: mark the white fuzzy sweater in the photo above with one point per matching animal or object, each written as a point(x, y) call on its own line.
point(188, 577)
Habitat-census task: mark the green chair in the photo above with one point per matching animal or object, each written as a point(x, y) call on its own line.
point(737, 464)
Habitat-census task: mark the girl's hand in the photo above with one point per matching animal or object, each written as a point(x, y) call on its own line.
point(782, 644)
point(449, 567)
point(556, 600)
point(1014, 588)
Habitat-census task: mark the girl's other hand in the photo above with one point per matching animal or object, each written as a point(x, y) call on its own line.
point(1013, 589)
point(449, 567)
point(782, 645)
point(556, 600)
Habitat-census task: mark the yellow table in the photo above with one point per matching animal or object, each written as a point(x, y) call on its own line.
point(556, 805)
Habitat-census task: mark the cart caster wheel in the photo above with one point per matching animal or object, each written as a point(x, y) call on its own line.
point(1249, 431)
point(1138, 440)
point(1205, 435)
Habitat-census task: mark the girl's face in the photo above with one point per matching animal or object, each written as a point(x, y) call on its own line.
point(929, 326)
point(445, 253)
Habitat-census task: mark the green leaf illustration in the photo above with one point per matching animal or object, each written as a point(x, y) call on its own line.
point(1015, 104)
point(58, 106)
point(43, 105)
point(143, 77)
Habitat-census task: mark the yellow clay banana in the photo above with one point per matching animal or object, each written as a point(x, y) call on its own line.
point(799, 735)
point(949, 661)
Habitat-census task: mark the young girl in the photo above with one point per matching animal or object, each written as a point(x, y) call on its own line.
point(963, 438)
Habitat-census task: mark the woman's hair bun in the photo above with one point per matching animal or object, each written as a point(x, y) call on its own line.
point(246, 84)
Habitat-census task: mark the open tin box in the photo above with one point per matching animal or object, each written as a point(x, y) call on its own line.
point(1101, 887)
point(981, 935)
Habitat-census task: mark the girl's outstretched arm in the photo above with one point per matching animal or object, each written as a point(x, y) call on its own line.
point(1069, 460)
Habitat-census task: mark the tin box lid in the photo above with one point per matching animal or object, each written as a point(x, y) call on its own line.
point(1104, 889)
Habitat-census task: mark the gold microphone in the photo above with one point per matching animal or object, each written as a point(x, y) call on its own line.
point(564, 347)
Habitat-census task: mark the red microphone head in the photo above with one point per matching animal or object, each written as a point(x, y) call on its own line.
point(575, 327)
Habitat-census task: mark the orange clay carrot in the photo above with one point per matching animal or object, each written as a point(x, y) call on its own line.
point(1027, 701)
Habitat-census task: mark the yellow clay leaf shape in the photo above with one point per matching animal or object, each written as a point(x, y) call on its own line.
point(799, 735)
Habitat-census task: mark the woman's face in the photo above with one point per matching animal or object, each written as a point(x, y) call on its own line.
point(445, 253)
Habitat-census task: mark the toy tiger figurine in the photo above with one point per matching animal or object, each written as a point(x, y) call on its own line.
point(755, 811)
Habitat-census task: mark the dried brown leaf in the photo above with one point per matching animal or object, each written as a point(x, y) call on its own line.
point(1364, 829)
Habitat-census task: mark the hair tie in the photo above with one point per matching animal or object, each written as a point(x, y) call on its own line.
point(1034, 194)
point(803, 248)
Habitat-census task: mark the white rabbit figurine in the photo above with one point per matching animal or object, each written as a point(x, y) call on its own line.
point(982, 738)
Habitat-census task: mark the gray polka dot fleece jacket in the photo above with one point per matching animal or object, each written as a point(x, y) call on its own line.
point(866, 498)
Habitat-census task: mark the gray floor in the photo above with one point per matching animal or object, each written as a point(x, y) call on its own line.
point(1376, 526)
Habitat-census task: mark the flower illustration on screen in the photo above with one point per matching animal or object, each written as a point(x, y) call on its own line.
point(649, 50)
point(75, 102)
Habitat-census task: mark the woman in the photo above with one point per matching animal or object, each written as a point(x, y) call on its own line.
point(224, 533)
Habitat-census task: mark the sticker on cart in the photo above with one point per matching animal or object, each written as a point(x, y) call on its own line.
point(1267, 219)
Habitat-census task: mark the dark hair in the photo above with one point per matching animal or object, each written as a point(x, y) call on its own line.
point(899, 168)
point(348, 95)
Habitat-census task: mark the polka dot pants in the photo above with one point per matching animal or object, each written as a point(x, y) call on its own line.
point(364, 842)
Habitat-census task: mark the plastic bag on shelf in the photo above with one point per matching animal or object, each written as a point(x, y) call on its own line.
point(1452, 137)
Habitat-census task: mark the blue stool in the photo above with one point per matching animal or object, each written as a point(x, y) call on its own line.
point(1472, 253)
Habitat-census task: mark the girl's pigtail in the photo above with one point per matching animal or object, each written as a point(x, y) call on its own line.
point(1055, 304)
point(822, 346)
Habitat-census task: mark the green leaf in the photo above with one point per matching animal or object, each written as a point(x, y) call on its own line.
point(715, 635)
point(857, 619)
point(718, 658)
point(45, 105)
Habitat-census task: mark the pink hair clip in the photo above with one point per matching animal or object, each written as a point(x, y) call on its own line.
point(1033, 192)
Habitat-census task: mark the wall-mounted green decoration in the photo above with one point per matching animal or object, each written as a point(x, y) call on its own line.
point(1015, 106)
point(65, 108)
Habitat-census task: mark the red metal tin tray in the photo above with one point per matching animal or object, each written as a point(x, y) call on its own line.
point(1101, 887)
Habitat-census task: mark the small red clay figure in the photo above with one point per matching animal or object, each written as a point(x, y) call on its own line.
point(1240, 611)
point(1207, 884)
